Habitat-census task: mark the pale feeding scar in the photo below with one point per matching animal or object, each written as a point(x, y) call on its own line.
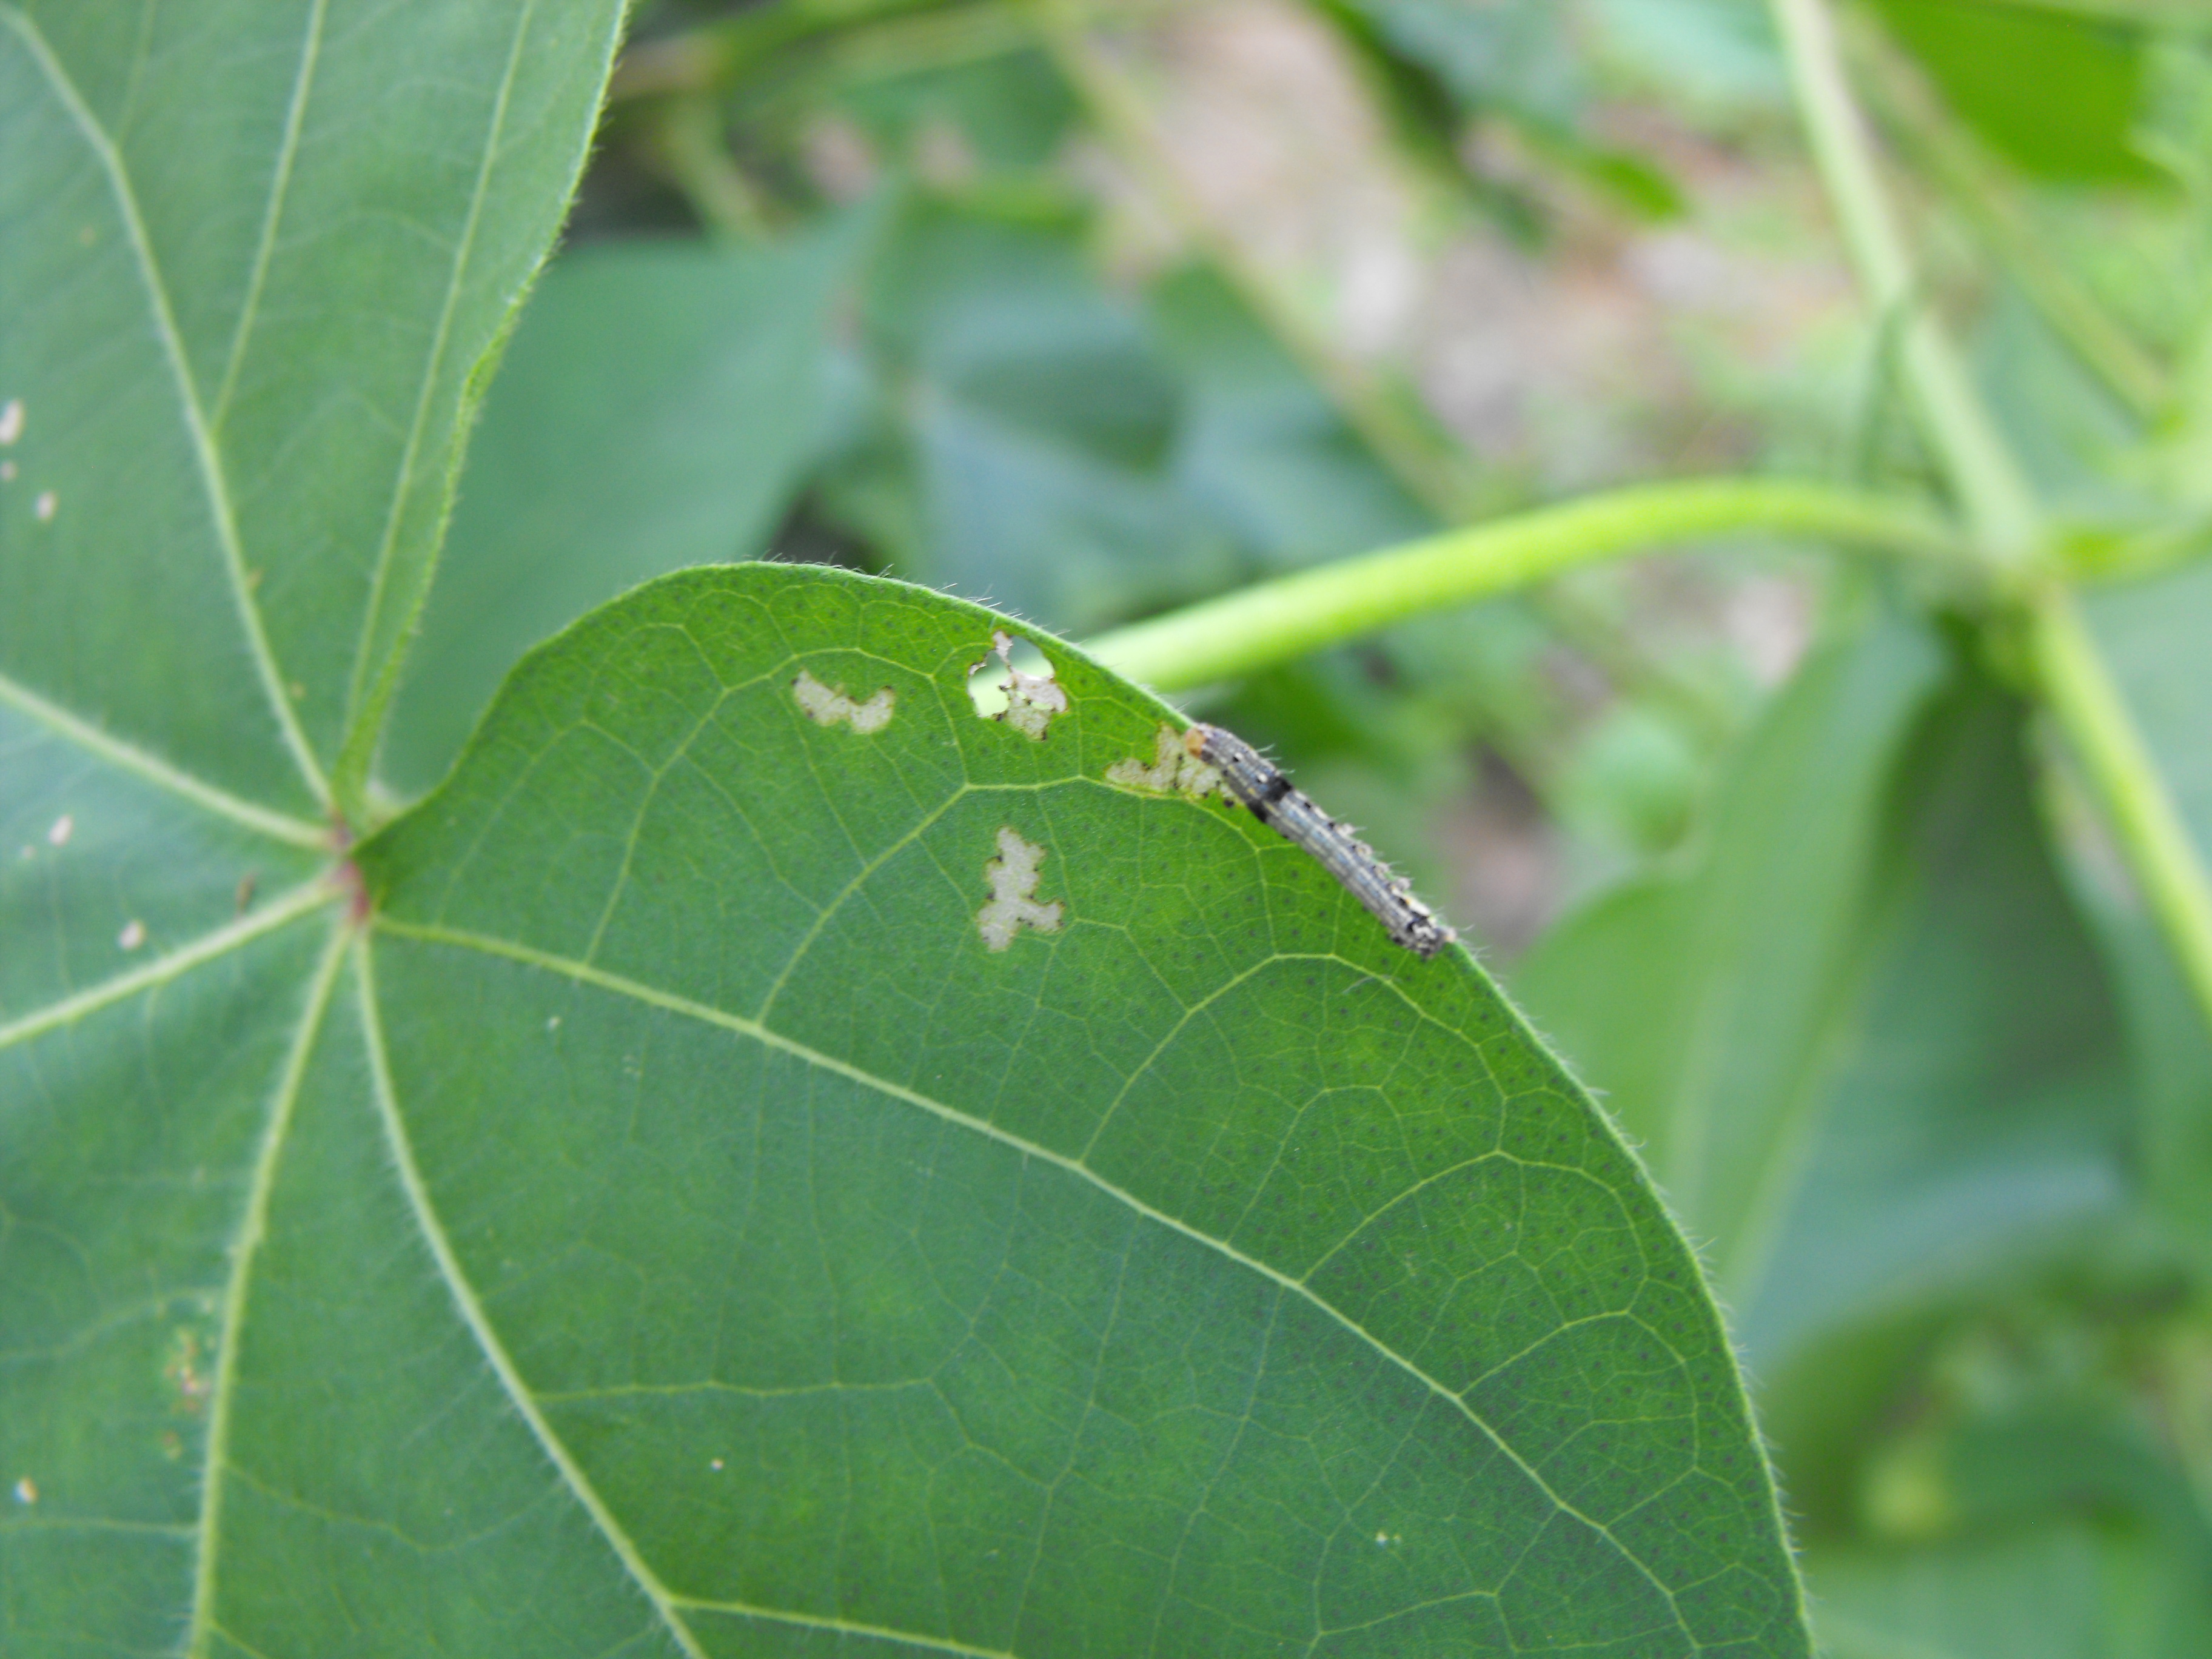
point(1032, 700)
point(1174, 770)
point(1013, 878)
point(1259, 783)
point(829, 705)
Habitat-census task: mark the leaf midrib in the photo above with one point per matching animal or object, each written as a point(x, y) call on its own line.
point(309, 896)
point(280, 185)
point(140, 762)
point(480, 1328)
point(253, 1226)
point(651, 996)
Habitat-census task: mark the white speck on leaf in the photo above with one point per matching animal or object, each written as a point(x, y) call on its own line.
point(1173, 768)
point(828, 705)
point(64, 828)
point(26, 1491)
point(133, 934)
point(553, 1023)
point(11, 421)
point(44, 507)
point(714, 1464)
point(1013, 878)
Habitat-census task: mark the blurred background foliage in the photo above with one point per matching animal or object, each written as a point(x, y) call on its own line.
point(1092, 309)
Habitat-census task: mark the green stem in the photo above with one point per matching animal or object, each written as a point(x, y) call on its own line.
point(1279, 621)
point(1983, 472)
point(2093, 713)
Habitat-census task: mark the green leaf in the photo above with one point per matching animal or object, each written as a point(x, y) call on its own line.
point(658, 407)
point(629, 1205)
point(1013, 110)
point(2172, 1055)
point(1437, 62)
point(2069, 1589)
point(1866, 1039)
point(1261, 450)
point(243, 327)
point(1516, 55)
point(668, 1226)
point(1023, 447)
point(2058, 95)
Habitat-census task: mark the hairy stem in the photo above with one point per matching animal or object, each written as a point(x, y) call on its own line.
point(1279, 621)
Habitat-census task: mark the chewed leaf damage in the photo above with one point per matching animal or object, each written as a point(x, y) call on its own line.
point(1026, 700)
point(1174, 770)
point(828, 705)
point(1013, 878)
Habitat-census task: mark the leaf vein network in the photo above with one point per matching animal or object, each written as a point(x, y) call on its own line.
point(671, 1002)
point(479, 1325)
point(306, 897)
point(128, 757)
point(213, 479)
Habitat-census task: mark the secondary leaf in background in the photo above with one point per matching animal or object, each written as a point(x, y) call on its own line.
point(1516, 55)
point(1259, 449)
point(1866, 1040)
point(2068, 1589)
point(2009, 69)
point(1012, 112)
point(1023, 443)
point(262, 309)
point(1441, 62)
point(2067, 426)
point(1031, 438)
point(2172, 1055)
point(659, 407)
